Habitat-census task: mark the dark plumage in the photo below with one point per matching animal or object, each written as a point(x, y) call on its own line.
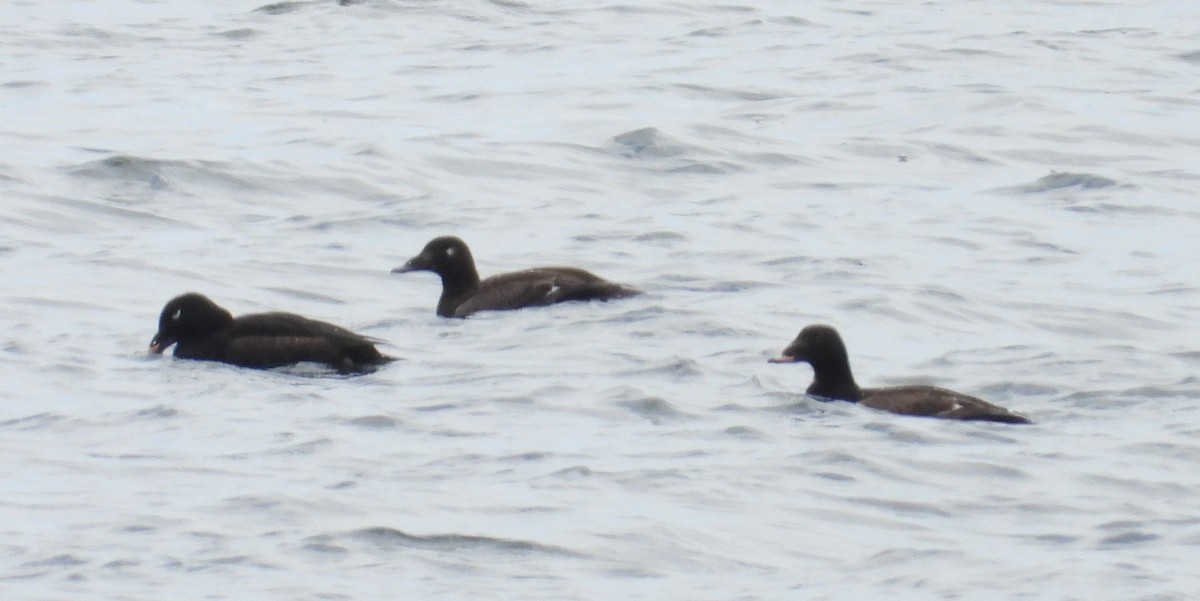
point(821, 347)
point(463, 293)
point(202, 330)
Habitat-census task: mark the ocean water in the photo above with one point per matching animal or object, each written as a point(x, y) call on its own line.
point(994, 197)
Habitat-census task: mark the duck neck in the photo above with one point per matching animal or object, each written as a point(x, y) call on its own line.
point(208, 320)
point(833, 379)
point(457, 286)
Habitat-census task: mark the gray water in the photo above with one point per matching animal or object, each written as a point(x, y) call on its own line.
point(994, 197)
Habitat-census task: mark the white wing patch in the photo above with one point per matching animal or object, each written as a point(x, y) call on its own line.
point(553, 289)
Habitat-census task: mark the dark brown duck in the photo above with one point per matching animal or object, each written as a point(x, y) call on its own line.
point(821, 347)
point(200, 329)
point(463, 293)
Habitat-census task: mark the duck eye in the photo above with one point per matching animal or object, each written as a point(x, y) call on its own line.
point(450, 252)
point(175, 316)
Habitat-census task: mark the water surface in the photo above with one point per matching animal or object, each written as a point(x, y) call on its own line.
point(995, 198)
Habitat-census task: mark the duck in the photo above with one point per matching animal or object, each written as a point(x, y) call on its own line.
point(464, 294)
point(200, 329)
point(822, 348)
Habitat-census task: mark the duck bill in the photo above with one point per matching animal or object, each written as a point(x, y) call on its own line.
point(160, 344)
point(784, 359)
point(417, 263)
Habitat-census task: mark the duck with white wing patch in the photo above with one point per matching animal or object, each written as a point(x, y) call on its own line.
point(463, 293)
point(821, 347)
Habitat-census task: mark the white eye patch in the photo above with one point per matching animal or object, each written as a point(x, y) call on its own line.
point(175, 316)
point(450, 252)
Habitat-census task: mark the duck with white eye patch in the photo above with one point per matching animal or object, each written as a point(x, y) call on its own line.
point(200, 329)
point(822, 348)
point(463, 293)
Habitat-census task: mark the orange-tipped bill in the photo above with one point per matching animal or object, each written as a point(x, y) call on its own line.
point(158, 345)
point(783, 359)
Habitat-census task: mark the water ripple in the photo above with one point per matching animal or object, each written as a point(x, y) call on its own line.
point(392, 539)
